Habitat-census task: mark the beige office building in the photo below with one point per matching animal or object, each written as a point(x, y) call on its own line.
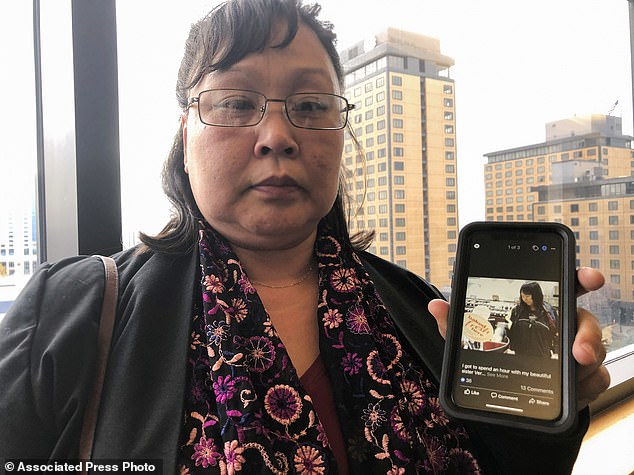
point(404, 118)
point(581, 176)
point(591, 145)
point(600, 212)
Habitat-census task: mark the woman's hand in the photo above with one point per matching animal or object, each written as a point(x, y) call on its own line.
point(592, 377)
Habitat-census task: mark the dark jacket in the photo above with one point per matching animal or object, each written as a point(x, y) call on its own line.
point(47, 356)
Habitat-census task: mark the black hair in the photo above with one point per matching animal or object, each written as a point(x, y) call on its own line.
point(226, 35)
point(534, 290)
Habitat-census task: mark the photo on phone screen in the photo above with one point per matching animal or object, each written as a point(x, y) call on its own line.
point(510, 330)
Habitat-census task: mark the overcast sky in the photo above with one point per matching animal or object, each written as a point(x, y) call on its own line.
point(517, 66)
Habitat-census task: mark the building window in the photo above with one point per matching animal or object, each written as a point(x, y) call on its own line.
point(399, 180)
point(401, 250)
point(400, 236)
point(448, 102)
point(380, 96)
point(397, 123)
point(399, 166)
point(398, 137)
point(447, 89)
point(450, 156)
point(613, 205)
point(448, 115)
point(594, 249)
point(593, 235)
point(449, 142)
point(399, 208)
point(398, 151)
point(397, 80)
point(613, 220)
point(614, 250)
point(574, 221)
point(593, 221)
point(397, 95)
point(397, 108)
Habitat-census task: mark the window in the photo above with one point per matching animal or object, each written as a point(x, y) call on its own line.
point(18, 160)
point(397, 109)
point(470, 195)
point(398, 95)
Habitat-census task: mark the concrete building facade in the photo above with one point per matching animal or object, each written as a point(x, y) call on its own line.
point(406, 181)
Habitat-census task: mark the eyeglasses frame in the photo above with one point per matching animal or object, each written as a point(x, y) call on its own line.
point(196, 100)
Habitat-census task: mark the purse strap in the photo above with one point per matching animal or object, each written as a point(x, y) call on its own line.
point(104, 337)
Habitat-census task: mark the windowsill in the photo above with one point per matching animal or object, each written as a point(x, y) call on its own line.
point(607, 446)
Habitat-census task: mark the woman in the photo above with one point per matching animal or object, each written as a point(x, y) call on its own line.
point(533, 330)
point(252, 334)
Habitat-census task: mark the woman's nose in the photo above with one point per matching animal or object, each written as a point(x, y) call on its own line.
point(275, 133)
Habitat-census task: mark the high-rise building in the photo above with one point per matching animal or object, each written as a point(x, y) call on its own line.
point(581, 176)
point(18, 240)
point(404, 118)
point(594, 143)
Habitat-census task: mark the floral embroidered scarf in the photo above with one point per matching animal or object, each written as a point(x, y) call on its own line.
point(246, 410)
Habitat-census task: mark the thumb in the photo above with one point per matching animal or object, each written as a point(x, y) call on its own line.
point(439, 309)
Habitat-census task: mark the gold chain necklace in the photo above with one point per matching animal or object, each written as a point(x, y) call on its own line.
point(286, 286)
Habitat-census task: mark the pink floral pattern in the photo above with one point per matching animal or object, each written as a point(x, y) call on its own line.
point(246, 410)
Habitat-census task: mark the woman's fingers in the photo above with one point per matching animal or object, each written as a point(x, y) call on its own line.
point(439, 309)
point(589, 352)
point(588, 279)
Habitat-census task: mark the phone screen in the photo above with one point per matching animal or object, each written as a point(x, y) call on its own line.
point(509, 359)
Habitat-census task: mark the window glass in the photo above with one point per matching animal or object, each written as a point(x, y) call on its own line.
point(18, 159)
point(483, 139)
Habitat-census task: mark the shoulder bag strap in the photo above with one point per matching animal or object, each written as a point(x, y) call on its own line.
point(104, 337)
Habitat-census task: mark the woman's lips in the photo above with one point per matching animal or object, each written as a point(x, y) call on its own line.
point(277, 187)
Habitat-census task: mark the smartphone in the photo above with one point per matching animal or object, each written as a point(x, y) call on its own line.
point(508, 351)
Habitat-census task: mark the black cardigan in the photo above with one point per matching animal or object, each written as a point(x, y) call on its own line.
point(47, 355)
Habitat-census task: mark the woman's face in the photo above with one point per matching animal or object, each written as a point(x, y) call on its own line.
point(527, 299)
point(266, 186)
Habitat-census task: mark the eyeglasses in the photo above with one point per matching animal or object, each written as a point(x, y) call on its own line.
point(242, 108)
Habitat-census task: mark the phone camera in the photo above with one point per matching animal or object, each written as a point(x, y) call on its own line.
point(476, 246)
point(544, 248)
point(535, 247)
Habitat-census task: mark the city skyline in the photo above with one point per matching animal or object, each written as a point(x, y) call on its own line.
point(573, 55)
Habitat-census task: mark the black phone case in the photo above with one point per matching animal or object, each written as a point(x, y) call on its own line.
point(568, 415)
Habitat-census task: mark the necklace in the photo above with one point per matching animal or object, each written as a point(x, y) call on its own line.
point(286, 286)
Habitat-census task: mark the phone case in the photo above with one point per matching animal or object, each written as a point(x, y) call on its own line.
point(568, 414)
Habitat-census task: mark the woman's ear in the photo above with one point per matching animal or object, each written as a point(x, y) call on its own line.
point(184, 126)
